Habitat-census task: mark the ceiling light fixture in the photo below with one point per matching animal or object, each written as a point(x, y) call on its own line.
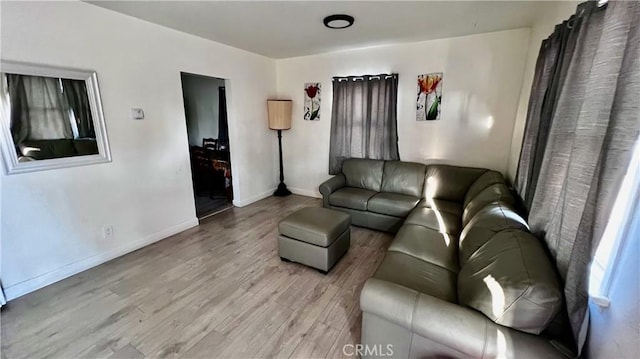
point(338, 21)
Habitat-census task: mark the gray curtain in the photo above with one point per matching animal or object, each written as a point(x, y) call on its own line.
point(363, 119)
point(75, 91)
point(582, 125)
point(551, 67)
point(39, 110)
point(223, 125)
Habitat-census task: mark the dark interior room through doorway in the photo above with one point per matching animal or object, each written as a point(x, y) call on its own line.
point(205, 106)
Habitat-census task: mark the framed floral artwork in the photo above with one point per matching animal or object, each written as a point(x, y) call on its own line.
point(312, 101)
point(429, 97)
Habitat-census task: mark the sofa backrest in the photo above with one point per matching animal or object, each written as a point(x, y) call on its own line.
point(491, 219)
point(512, 281)
point(487, 179)
point(363, 173)
point(403, 177)
point(498, 192)
point(450, 183)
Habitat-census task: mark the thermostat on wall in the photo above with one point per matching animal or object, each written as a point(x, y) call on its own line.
point(137, 114)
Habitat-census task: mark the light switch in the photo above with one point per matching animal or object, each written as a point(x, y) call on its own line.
point(137, 114)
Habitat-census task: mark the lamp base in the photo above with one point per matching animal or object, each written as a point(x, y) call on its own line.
point(282, 190)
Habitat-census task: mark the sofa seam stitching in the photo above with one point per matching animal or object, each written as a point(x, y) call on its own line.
point(422, 260)
point(524, 291)
point(413, 315)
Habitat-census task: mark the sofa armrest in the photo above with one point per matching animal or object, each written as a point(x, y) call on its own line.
point(331, 185)
point(450, 324)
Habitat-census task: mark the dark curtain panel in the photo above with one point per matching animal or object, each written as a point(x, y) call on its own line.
point(76, 94)
point(553, 59)
point(363, 119)
point(223, 126)
point(581, 129)
point(19, 109)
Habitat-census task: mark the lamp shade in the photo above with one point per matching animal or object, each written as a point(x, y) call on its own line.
point(279, 114)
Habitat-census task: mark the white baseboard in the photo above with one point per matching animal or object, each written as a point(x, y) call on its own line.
point(43, 280)
point(248, 201)
point(305, 192)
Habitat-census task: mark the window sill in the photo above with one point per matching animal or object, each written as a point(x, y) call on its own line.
point(602, 302)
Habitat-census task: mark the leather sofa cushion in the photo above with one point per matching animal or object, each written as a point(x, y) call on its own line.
point(363, 173)
point(392, 204)
point(315, 225)
point(442, 206)
point(441, 329)
point(450, 183)
point(416, 274)
point(511, 280)
point(487, 179)
point(47, 149)
point(350, 197)
point(494, 193)
point(428, 245)
point(465, 333)
point(440, 221)
point(490, 220)
point(403, 177)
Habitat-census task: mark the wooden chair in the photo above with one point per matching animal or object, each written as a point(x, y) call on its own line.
point(210, 144)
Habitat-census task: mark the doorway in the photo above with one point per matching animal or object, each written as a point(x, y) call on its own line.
point(205, 107)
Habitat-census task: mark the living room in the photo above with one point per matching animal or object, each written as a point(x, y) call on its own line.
point(124, 233)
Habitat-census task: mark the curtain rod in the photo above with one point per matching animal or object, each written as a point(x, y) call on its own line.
point(368, 77)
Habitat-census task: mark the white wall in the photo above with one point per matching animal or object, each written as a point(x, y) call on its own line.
point(539, 31)
point(481, 88)
point(201, 96)
point(52, 221)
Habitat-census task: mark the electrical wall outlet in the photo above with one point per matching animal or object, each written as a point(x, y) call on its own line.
point(107, 231)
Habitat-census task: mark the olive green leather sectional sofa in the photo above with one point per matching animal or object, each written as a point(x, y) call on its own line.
point(463, 277)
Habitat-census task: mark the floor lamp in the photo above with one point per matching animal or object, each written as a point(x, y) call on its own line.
point(280, 119)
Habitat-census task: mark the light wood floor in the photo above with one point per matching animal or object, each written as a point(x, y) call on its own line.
point(217, 290)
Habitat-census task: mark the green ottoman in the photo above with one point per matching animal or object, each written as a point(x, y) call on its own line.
point(314, 236)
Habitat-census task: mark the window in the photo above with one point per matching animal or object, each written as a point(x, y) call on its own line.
point(616, 232)
point(47, 108)
point(363, 119)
